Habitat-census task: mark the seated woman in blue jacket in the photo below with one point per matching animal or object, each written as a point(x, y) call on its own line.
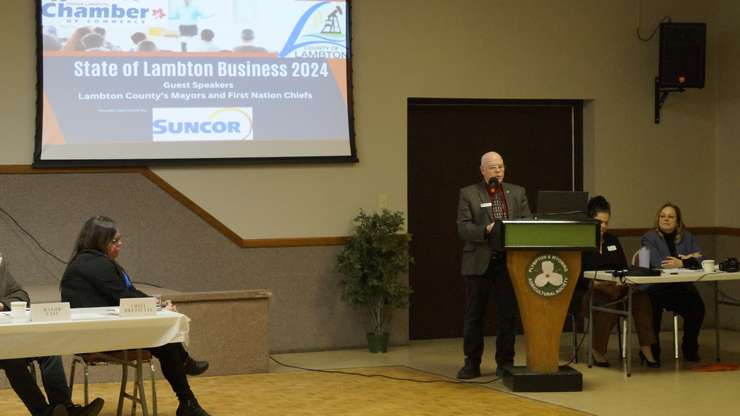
point(671, 247)
point(93, 278)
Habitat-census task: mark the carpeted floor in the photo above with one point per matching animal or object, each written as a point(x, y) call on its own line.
point(322, 394)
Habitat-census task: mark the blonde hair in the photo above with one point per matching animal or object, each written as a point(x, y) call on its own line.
point(680, 226)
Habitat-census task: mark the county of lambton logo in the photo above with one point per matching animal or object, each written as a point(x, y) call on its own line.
point(547, 275)
point(319, 33)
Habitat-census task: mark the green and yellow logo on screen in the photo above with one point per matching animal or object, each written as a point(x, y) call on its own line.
point(547, 275)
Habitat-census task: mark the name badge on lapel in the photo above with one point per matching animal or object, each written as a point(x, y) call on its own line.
point(486, 205)
point(611, 248)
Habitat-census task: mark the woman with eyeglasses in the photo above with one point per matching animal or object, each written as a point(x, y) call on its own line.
point(93, 278)
point(610, 256)
point(672, 247)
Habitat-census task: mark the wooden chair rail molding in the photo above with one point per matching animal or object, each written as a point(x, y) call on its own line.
point(188, 203)
point(637, 232)
point(277, 242)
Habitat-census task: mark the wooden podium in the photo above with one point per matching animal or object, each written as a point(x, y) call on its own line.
point(544, 261)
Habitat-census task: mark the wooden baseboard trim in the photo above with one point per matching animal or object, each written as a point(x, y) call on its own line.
point(728, 231)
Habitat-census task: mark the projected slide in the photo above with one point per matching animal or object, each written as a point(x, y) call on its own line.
point(143, 80)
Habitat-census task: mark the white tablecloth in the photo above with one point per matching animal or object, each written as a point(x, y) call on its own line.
point(668, 276)
point(90, 330)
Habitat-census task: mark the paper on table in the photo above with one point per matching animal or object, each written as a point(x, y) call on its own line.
point(107, 314)
point(89, 315)
point(679, 271)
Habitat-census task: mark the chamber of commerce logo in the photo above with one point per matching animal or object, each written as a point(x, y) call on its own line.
point(200, 124)
point(547, 275)
point(98, 11)
point(321, 32)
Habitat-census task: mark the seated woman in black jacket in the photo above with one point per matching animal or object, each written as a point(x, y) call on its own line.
point(610, 256)
point(94, 278)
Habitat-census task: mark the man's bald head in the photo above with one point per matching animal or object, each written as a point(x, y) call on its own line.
point(490, 155)
point(492, 165)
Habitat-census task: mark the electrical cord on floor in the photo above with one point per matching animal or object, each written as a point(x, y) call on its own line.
point(349, 373)
point(579, 344)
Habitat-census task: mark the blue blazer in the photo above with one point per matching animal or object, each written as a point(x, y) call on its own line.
point(659, 248)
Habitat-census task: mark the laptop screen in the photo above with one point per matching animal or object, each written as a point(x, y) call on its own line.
point(562, 204)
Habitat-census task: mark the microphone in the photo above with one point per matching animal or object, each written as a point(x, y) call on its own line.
point(493, 182)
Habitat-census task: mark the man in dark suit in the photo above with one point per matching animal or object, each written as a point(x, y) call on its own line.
point(52, 372)
point(481, 208)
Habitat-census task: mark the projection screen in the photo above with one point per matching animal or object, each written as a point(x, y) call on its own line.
point(173, 81)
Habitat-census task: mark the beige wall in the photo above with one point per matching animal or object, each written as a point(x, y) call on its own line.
point(576, 49)
point(728, 116)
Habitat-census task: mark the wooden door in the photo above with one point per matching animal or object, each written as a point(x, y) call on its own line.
point(541, 143)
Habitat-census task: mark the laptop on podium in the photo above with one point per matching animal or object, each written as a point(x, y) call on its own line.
point(562, 205)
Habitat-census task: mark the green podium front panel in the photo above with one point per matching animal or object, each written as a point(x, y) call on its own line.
point(550, 234)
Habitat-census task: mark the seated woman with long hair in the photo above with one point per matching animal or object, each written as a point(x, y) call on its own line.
point(672, 247)
point(93, 278)
point(610, 256)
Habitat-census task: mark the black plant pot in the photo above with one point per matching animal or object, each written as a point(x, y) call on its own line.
point(377, 342)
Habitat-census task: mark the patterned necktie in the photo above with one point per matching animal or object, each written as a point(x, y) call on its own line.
point(498, 206)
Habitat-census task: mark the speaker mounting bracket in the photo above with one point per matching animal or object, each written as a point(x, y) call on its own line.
point(661, 94)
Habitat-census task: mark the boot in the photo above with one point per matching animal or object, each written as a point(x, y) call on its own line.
point(190, 407)
point(470, 370)
point(195, 368)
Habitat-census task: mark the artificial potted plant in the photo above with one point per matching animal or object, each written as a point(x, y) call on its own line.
point(373, 263)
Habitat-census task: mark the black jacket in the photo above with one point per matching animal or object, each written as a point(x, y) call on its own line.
point(10, 290)
point(92, 279)
point(611, 257)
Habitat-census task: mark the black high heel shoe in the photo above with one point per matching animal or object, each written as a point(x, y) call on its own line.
point(650, 364)
point(598, 363)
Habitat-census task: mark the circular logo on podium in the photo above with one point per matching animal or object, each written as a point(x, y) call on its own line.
point(547, 275)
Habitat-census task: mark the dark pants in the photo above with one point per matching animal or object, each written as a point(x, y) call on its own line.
point(25, 387)
point(172, 358)
point(477, 291)
point(55, 382)
point(642, 312)
point(683, 299)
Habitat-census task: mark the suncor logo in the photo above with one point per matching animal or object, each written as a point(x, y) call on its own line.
point(198, 124)
point(96, 10)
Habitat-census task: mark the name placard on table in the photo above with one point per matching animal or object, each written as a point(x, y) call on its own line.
point(50, 312)
point(132, 307)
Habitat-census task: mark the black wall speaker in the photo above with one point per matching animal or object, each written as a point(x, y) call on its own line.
point(682, 59)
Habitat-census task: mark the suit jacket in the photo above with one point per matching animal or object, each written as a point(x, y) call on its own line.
point(472, 220)
point(92, 279)
point(659, 248)
point(10, 290)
